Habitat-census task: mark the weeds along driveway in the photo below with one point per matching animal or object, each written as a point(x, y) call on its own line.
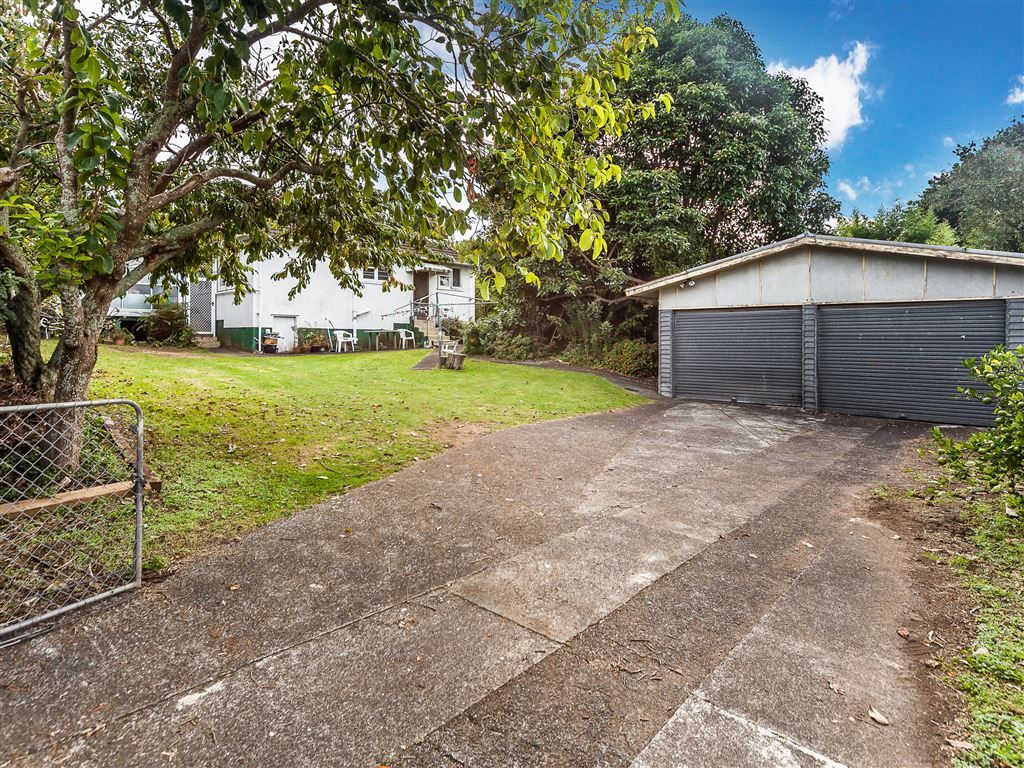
point(675, 584)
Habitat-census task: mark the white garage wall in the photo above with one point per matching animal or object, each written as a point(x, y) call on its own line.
point(822, 275)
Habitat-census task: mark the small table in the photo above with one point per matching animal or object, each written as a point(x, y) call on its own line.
point(375, 337)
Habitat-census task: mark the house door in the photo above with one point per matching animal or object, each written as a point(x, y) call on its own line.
point(420, 285)
point(284, 327)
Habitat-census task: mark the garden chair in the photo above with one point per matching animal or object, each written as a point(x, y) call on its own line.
point(406, 338)
point(343, 338)
point(448, 347)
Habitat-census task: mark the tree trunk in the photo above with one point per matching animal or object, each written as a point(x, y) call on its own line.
point(22, 321)
point(70, 371)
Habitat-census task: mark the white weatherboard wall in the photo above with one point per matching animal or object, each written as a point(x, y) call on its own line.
point(323, 303)
point(831, 276)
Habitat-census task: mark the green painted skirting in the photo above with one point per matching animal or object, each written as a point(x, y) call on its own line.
point(245, 338)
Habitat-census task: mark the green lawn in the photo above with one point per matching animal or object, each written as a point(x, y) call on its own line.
point(991, 672)
point(240, 441)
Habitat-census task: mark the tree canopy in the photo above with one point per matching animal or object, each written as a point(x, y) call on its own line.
point(163, 138)
point(982, 195)
point(738, 163)
point(899, 223)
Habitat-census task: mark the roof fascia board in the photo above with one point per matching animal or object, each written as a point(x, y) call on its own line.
point(1005, 258)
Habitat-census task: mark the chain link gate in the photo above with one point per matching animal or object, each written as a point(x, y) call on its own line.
point(71, 497)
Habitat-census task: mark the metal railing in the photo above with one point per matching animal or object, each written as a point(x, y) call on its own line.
point(72, 489)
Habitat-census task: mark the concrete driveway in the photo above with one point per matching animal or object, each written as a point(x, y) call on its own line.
point(679, 584)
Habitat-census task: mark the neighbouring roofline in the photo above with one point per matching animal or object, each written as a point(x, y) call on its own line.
point(650, 289)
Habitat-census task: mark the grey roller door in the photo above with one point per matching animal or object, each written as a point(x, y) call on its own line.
point(905, 360)
point(746, 355)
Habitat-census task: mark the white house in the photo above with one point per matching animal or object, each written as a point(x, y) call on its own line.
point(424, 292)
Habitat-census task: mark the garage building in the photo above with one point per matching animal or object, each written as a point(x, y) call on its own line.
point(855, 326)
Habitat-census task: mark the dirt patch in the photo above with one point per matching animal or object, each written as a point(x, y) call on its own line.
point(452, 434)
point(942, 626)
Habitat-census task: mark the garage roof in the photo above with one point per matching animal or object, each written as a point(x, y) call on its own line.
point(650, 289)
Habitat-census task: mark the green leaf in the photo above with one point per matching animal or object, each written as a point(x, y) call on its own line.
point(586, 239)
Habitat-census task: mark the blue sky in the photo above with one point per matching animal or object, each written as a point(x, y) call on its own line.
point(903, 82)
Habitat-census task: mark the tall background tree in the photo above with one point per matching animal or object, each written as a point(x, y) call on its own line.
point(738, 163)
point(982, 195)
point(169, 139)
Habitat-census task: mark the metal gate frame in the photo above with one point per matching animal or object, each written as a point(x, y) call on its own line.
point(6, 631)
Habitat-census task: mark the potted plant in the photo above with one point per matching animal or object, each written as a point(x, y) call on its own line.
point(121, 336)
point(313, 340)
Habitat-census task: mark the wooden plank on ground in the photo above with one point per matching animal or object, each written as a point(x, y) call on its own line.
point(30, 507)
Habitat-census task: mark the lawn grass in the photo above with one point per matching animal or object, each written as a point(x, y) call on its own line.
point(240, 441)
point(990, 673)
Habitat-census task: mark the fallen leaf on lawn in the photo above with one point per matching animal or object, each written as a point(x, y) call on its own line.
point(877, 716)
point(754, 556)
point(435, 505)
point(807, 544)
point(932, 663)
point(958, 744)
point(903, 632)
point(233, 587)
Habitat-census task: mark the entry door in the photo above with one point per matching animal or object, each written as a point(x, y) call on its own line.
point(905, 360)
point(743, 355)
point(284, 327)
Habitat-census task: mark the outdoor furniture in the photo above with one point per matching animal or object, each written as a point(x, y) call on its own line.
point(447, 348)
point(454, 360)
point(406, 338)
point(343, 338)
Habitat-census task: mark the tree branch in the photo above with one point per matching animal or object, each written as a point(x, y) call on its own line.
point(211, 174)
point(156, 251)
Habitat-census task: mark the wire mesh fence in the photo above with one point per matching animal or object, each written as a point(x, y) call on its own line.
point(71, 496)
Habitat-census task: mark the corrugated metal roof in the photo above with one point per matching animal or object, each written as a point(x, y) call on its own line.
point(651, 288)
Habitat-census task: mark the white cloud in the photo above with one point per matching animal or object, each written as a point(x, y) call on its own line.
point(839, 8)
point(948, 141)
point(884, 188)
point(847, 189)
point(1016, 95)
point(840, 86)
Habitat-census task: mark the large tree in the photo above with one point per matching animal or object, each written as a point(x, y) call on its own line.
point(982, 195)
point(169, 138)
point(737, 163)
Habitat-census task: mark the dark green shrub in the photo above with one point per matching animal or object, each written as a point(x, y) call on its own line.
point(632, 357)
point(992, 460)
point(516, 348)
point(167, 325)
point(580, 354)
point(454, 328)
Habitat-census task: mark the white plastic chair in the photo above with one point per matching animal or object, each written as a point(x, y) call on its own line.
point(406, 338)
point(341, 338)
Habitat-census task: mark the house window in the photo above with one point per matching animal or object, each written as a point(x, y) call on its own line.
point(369, 273)
point(456, 277)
